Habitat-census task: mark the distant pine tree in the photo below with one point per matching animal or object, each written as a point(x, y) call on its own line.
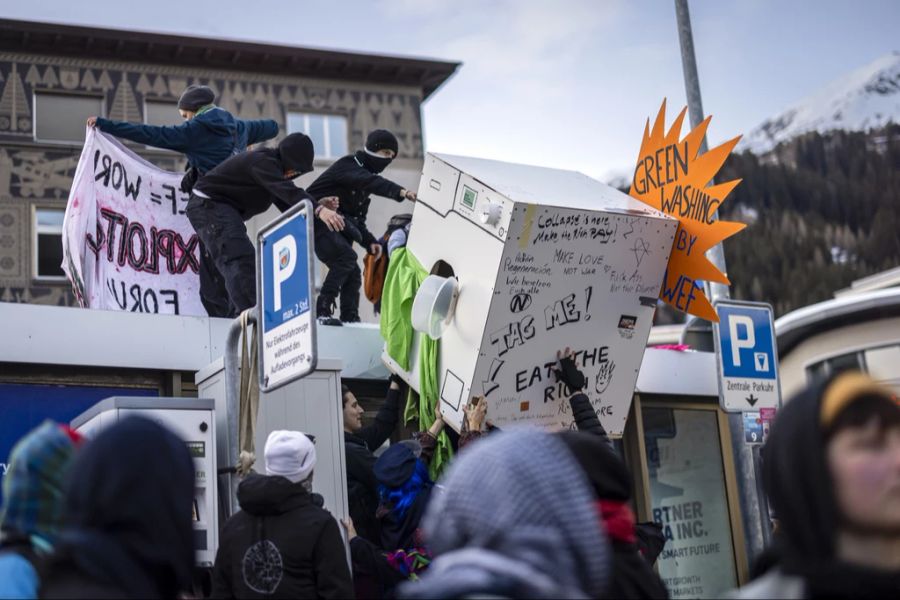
point(828, 213)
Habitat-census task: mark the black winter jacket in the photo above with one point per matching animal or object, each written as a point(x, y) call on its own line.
point(362, 489)
point(350, 181)
point(282, 544)
point(251, 182)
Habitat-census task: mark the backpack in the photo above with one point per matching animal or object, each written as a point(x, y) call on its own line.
point(375, 269)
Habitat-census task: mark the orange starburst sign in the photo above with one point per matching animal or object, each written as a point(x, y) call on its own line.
point(671, 176)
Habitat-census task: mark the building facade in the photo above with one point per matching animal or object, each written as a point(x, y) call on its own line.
point(53, 77)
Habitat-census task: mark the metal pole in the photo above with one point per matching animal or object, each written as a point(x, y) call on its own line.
point(232, 360)
point(753, 516)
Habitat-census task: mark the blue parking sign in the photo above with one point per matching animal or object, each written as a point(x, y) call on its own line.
point(284, 294)
point(746, 356)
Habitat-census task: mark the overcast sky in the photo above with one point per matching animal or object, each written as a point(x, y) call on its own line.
point(560, 83)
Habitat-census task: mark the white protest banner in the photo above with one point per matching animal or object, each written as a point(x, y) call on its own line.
point(127, 244)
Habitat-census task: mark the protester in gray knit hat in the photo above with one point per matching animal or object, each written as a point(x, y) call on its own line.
point(514, 519)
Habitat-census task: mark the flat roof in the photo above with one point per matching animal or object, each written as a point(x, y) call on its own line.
point(218, 53)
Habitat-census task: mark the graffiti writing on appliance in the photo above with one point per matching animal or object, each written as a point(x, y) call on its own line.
point(128, 241)
point(114, 174)
point(567, 310)
point(604, 376)
point(520, 302)
point(552, 228)
point(544, 373)
point(640, 248)
point(491, 384)
point(512, 335)
point(143, 300)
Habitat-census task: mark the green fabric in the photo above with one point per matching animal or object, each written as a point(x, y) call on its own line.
point(204, 108)
point(401, 282)
point(403, 278)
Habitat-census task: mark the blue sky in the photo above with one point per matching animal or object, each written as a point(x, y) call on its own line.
point(560, 83)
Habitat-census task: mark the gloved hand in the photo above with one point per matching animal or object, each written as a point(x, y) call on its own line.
point(568, 372)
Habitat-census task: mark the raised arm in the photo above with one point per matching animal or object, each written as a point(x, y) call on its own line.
point(386, 420)
point(582, 410)
point(260, 130)
point(170, 137)
point(361, 179)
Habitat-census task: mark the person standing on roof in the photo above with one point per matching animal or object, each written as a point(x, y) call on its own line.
point(351, 179)
point(208, 136)
point(243, 186)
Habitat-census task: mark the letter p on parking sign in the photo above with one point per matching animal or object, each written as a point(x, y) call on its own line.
point(287, 320)
point(746, 356)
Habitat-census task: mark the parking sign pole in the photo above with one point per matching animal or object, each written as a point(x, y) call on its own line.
point(754, 520)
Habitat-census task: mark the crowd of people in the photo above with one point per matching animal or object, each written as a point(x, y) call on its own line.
point(519, 513)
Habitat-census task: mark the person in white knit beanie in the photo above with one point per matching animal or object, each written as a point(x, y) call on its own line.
point(292, 455)
point(282, 543)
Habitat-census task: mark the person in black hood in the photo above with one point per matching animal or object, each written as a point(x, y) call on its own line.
point(129, 532)
point(351, 179)
point(243, 186)
point(282, 543)
point(208, 136)
point(832, 475)
point(632, 575)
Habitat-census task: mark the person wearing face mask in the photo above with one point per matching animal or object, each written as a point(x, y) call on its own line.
point(351, 179)
point(243, 186)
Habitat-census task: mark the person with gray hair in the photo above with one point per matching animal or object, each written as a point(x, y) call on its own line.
point(514, 520)
point(282, 543)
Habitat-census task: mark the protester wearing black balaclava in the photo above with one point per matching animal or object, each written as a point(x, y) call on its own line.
point(832, 475)
point(128, 504)
point(241, 187)
point(351, 179)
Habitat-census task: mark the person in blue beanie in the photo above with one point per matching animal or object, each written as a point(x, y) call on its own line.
point(33, 506)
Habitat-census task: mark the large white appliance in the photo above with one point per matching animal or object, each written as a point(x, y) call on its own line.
point(538, 260)
point(193, 420)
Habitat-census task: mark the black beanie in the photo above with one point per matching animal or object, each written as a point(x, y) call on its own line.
point(297, 153)
point(604, 469)
point(196, 97)
point(382, 139)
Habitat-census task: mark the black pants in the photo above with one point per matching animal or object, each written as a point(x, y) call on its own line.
point(227, 258)
point(344, 278)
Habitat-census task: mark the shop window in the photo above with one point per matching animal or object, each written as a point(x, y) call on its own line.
point(62, 117)
point(48, 252)
point(688, 498)
point(328, 132)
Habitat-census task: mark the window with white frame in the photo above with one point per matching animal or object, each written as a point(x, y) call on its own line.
point(328, 132)
point(48, 251)
point(62, 117)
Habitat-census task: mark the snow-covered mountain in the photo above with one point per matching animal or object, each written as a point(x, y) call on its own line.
point(864, 99)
